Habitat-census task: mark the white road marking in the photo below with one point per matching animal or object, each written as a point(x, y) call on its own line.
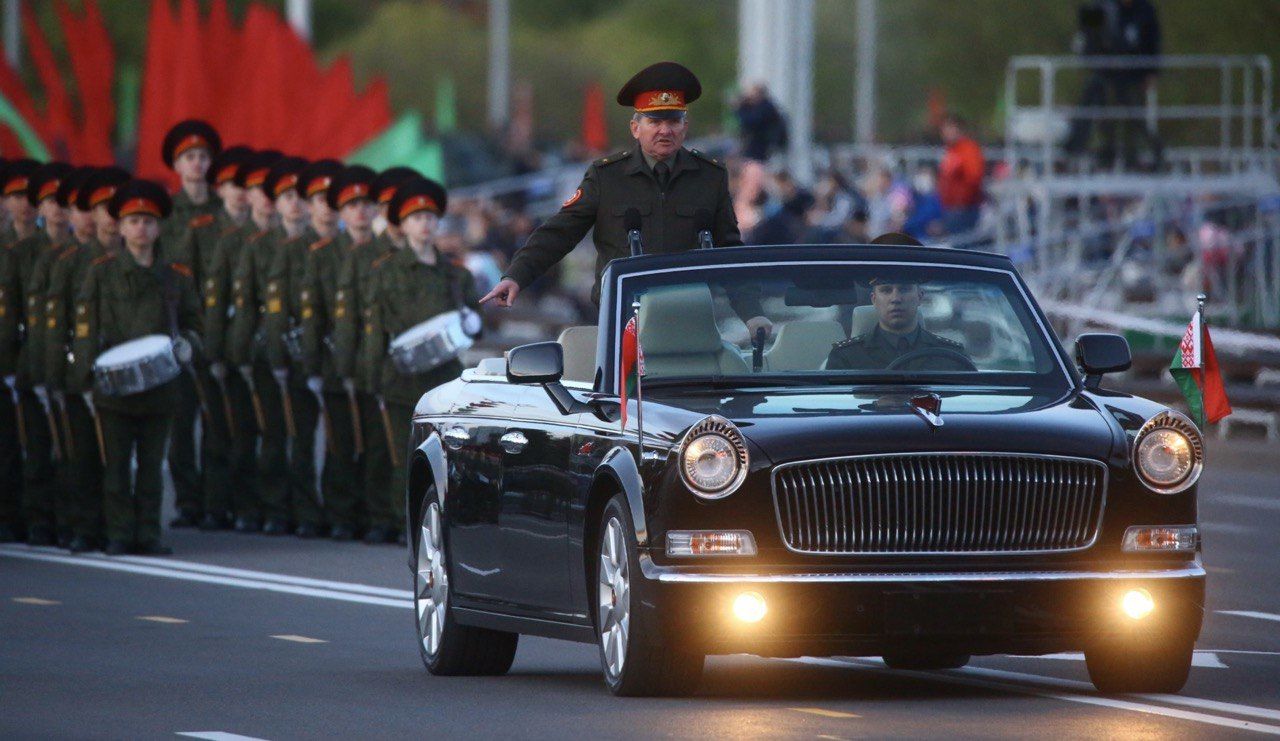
point(300, 581)
point(36, 601)
point(1269, 503)
point(977, 677)
point(298, 639)
point(1225, 528)
point(218, 736)
point(826, 713)
point(1250, 614)
point(156, 569)
point(1203, 659)
point(163, 619)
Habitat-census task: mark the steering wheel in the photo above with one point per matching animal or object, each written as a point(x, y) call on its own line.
point(941, 352)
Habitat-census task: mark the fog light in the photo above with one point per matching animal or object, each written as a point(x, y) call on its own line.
point(1137, 603)
point(1164, 538)
point(749, 607)
point(710, 543)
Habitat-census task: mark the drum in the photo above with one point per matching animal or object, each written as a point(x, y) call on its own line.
point(136, 366)
point(429, 345)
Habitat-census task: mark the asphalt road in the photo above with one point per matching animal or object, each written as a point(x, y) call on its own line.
point(281, 638)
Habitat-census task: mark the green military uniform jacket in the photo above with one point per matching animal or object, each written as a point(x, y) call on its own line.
point(320, 308)
point(352, 309)
point(218, 302)
point(10, 313)
point(120, 301)
point(287, 272)
point(623, 181)
point(67, 276)
point(37, 252)
point(406, 292)
point(254, 294)
point(186, 215)
point(876, 349)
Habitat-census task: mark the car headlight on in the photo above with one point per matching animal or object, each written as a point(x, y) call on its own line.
point(713, 458)
point(1168, 453)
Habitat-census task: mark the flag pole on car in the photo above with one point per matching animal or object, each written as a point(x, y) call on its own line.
point(632, 359)
point(1195, 369)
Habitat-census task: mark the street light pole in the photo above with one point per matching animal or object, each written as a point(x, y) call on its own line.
point(864, 108)
point(12, 34)
point(299, 14)
point(499, 63)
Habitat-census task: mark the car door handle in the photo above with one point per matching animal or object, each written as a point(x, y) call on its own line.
point(514, 441)
point(456, 437)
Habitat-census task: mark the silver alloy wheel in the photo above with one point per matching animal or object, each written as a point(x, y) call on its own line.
point(614, 595)
point(431, 595)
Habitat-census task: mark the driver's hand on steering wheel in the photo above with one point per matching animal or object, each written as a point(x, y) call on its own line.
point(759, 322)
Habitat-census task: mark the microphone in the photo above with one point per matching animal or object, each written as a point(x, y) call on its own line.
point(702, 220)
point(632, 219)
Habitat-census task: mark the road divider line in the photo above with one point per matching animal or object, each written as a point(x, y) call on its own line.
point(165, 619)
point(1037, 686)
point(298, 639)
point(108, 564)
point(41, 601)
point(1251, 614)
point(826, 713)
point(217, 736)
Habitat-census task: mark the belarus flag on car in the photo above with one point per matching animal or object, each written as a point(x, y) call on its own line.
point(1195, 368)
point(632, 366)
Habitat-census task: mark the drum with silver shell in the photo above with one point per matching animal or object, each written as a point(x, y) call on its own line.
point(430, 344)
point(136, 366)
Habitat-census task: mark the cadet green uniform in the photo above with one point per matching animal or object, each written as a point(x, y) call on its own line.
point(319, 299)
point(286, 272)
point(405, 292)
point(876, 349)
point(255, 294)
point(120, 301)
point(34, 254)
point(11, 527)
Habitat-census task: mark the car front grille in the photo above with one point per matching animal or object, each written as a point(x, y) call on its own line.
point(939, 503)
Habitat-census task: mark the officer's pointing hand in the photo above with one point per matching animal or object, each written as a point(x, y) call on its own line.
point(506, 292)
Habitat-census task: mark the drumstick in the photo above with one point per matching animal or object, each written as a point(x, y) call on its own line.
point(386, 427)
point(355, 422)
point(22, 425)
point(328, 425)
point(258, 415)
point(201, 395)
point(66, 429)
point(97, 429)
point(55, 444)
point(226, 407)
point(289, 428)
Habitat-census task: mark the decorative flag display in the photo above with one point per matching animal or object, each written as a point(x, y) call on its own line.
point(631, 369)
point(1195, 368)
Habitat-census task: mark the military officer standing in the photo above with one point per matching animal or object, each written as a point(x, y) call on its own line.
point(127, 295)
point(188, 148)
point(352, 195)
point(80, 480)
point(676, 192)
point(410, 286)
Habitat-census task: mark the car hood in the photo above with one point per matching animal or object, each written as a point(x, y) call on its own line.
point(789, 425)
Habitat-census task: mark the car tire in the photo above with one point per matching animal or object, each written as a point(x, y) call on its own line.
point(924, 660)
point(634, 664)
point(447, 648)
point(1117, 667)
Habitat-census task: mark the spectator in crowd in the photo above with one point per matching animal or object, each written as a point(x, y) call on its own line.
point(760, 124)
point(926, 218)
point(960, 177)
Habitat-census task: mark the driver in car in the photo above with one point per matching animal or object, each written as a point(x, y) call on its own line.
point(897, 333)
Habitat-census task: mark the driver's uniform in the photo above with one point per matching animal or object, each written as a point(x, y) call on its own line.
point(876, 349)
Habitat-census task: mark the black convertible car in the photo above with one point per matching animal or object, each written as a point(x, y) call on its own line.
point(908, 465)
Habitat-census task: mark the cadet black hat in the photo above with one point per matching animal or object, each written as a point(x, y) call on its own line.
point(355, 181)
point(227, 163)
point(189, 134)
point(662, 90)
point(898, 239)
point(253, 173)
point(412, 196)
point(140, 197)
point(284, 175)
point(45, 181)
point(316, 177)
point(100, 186)
point(384, 186)
point(70, 187)
point(17, 176)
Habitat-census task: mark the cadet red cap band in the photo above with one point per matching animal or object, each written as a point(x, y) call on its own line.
point(225, 174)
point(140, 206)
point(418, 203)
point(48, 190)
point(352, 192)
point(318, 185)
point(191, 142)
point(256, 178)
point(285, 183)
point(660, 100)
point(101, 195)
point(386, 194)
point(17, 185)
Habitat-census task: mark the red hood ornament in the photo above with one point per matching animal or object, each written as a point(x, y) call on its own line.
point(929, 407)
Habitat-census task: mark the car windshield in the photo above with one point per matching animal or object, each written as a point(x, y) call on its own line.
point(846, 322)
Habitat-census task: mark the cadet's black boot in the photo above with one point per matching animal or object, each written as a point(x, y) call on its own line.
point(307, 530)
point(378, 535)
point(64, 539)
point(153, 549)
point(276, 526)
point(117, 548)
point(81, 544)
point(212, 521)
point(8, 534)
point(186, 518)
point(248, 525)
point(342, 532)
point(39, 536)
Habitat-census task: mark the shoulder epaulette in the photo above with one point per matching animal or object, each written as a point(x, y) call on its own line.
point(181, 269)
point(615, 157)
point(377, 261)
point(201, 220)
point(103, 258)
point(706, 158)
point(850, 341)
point(68, 251)
point(228, 230)
point(320, 243)
point(948, 341)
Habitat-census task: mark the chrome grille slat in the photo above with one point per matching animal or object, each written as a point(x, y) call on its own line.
point(939, 503)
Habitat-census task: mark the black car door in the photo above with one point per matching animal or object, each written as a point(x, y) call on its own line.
point(472, 504)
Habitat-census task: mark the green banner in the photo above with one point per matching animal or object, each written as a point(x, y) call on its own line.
point(10, 117)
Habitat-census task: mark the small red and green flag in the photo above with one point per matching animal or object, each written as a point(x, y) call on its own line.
point(631, 367)
point(1195, 369)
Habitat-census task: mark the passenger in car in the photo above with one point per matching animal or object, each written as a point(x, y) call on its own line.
point(896, 299)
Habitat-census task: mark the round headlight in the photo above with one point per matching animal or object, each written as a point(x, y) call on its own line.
point(1168, 454)
point(713, 458)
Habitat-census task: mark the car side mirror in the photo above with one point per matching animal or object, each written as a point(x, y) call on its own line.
point(540, 362)
point(1099, 353)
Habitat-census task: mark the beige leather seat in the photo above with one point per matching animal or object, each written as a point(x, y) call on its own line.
point(679, 335)
point(864, 320)
point(492, 367)
point(579, 345)
point(802, 345)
